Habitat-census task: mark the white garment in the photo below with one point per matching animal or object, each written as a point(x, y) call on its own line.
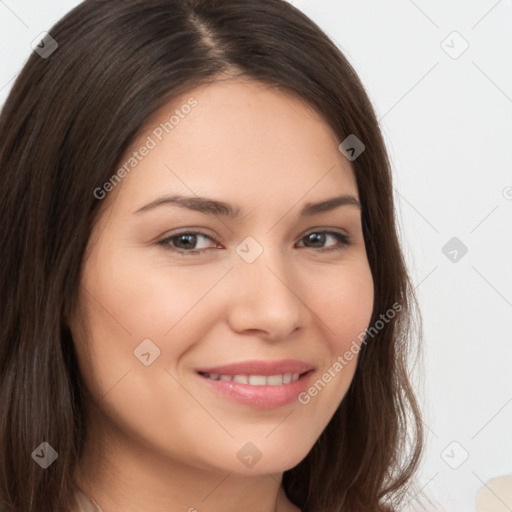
point(84, 503)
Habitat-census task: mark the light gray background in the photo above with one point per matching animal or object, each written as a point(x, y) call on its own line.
point(448, 127)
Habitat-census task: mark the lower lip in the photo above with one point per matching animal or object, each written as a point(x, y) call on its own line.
point(261, 397)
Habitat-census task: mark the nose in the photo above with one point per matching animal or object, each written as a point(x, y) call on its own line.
point(265, 298)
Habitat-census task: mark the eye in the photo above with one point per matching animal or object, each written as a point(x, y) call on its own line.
point(183, 242)
point(319, 237)
point(187, 241)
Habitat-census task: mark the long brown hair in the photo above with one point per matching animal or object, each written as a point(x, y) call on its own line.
point(66, 123)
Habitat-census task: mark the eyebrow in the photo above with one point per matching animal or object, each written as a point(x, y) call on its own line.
point(219, 208)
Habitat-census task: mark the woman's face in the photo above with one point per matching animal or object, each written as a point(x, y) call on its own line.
point(168, 290)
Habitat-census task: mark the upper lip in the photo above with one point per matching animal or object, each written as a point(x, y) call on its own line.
point(259, 367)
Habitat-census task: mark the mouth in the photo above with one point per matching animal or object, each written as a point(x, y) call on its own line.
point(256, 380)
point(257, 391)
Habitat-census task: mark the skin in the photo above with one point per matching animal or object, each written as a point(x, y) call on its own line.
point(168, 442)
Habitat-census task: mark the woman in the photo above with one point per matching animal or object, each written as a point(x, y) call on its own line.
point(205, 302)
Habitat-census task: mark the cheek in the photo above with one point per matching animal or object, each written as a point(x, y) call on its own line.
point(131, 300)
point(343, 312)
point(346, 304)
point(124, 304)
point(128, 302)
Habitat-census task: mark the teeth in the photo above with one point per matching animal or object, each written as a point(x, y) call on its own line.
point(256, 380)
point(260, 380)
point(271, 380)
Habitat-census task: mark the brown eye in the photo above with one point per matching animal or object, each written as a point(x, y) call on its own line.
point(319, 238)
point(185, 242)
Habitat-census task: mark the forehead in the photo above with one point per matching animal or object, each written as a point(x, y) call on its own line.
point(239, 139)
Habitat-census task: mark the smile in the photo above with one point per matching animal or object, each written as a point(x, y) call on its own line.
point(256, 380)
point(258, 391)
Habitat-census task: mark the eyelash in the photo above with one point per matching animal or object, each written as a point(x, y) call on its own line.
point(343, 242)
